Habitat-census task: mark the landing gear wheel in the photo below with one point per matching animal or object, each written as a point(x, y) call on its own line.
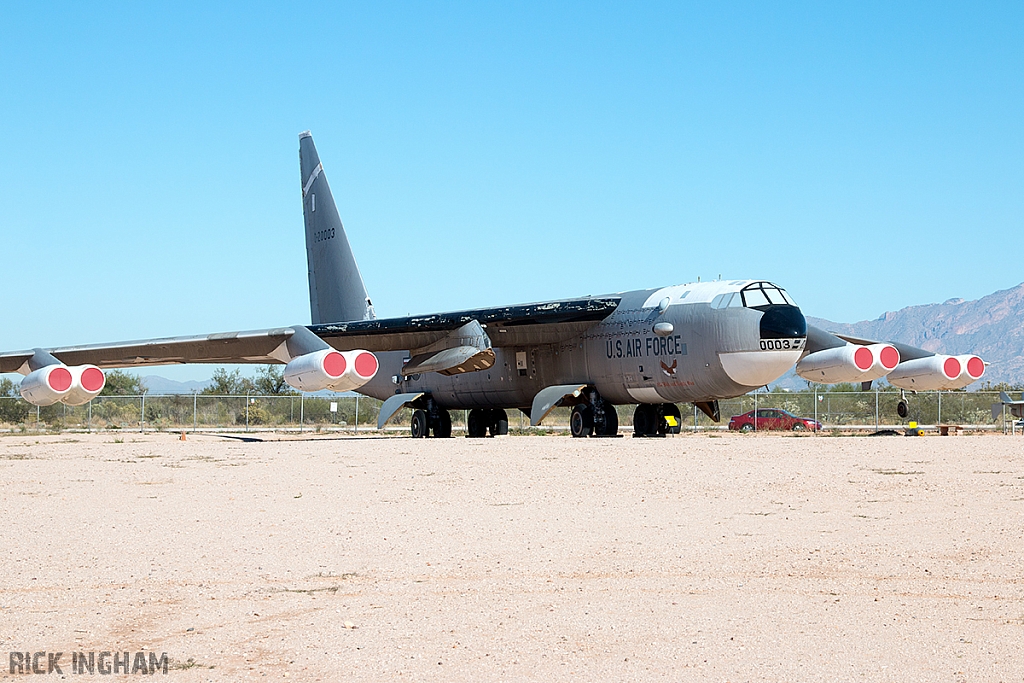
point(443, 426)
point(902, 409)
point(498, 422)
point(581, 421)
point(608, 424)
point(419, 424)
point(476, 426)
point(671, 410)
point(645, 420)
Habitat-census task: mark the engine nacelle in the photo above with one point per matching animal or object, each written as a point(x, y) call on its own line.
point(938, 372)
point(87, 381)
point(330, 369)
point(850, 363)
point(46, 386)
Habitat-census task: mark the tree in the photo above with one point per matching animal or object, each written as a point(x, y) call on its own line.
point(122, 383)
point(12, 408)
point(269, 381)
point(224, 383)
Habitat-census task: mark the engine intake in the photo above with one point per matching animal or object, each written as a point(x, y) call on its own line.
point(47, 385)
point(849, 363)
point(87, 381)
point(937, 373)
point(330, 369)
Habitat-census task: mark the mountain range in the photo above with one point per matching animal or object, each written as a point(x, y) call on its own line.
point(991, 327)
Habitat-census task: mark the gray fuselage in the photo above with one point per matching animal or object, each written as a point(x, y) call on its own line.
point(709, 350)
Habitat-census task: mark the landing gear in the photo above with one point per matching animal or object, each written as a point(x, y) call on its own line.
point(656, 420)
point(581, 421)
point(443, 426)
point(499, 422)
point(431, 418)
point(419, 424)
point(903, 407)
point(484, 420)
point(594, 417)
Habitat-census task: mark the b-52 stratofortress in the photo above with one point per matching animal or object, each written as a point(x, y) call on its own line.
point(691, 343)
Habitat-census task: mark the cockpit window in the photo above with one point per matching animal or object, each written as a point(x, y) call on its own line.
point(763, 294)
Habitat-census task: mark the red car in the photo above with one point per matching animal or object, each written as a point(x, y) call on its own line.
point(772, 418)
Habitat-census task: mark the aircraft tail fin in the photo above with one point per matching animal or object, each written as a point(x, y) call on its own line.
point(336, 289)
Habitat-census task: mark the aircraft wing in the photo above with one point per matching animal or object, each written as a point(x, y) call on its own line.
point(819, 340)
point(541, 323)
point(254, 346)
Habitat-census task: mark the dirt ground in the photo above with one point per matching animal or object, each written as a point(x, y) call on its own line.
point(693, 558)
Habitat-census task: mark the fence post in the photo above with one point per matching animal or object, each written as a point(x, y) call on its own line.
point(755, 410)
point(302, 409)
point(37, 418)
point(89, 423)
point(195, 412)
point(938, 420)
point(815, 399)
point(142, 423)
point(876, 407)
point(356, 419)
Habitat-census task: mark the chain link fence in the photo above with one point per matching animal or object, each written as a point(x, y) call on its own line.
point(844, 411)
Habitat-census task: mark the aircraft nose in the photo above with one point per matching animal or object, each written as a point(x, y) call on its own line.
point(781, 321)
point(782, 330)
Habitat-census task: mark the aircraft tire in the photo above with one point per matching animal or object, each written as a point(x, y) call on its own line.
point(643, 420)
point(610, 424)
point(902, 409)
point(443, 428)
point(581, 421)
point(419, 424)
point(498, 422)
point(476, 424)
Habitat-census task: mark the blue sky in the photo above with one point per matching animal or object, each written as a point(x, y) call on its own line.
point(864, 156)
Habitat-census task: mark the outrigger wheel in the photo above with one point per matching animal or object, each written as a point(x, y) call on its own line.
point(902, 409)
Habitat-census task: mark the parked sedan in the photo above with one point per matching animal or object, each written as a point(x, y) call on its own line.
point(772, 418)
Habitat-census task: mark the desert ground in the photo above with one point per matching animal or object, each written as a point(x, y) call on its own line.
point(691, 558)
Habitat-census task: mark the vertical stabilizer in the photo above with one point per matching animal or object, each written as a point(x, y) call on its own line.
point(336, 289)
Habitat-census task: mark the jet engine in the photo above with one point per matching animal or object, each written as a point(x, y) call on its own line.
point(87, 382)
point(938, 372)
point(330, 369)
point(47, 385)
point(849, 363)
point(74, 385)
